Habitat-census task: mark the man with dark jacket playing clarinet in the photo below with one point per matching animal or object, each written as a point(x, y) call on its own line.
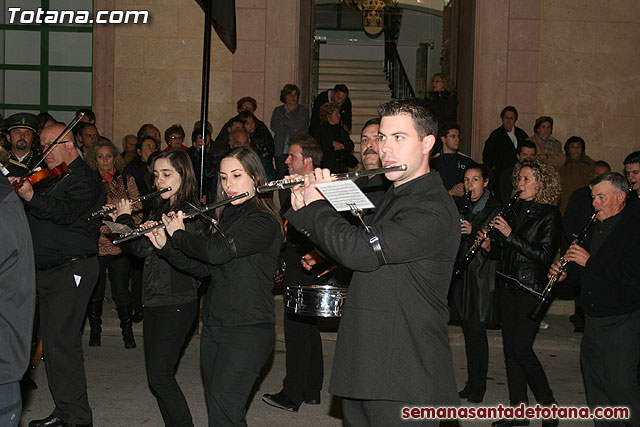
point(607, 267)
point(392, 350)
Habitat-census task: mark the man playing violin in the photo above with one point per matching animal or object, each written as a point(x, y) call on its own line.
point(65, 246)
point(20, 130)
point(392, 349)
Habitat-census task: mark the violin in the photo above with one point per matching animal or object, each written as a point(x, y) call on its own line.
point(43, 177)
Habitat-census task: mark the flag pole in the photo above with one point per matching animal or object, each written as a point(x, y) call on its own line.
point(206, 67)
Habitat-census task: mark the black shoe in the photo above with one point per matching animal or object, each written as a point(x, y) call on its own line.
point(476, 396)
point(281, 401)
point(126, 324)
point(578, 329)
point(50, 421)
point(75, 425)
point(312, 401)
point(505, 423)
point(550, 423)
point(137, 316)
point(94, 313)
point(464, 393)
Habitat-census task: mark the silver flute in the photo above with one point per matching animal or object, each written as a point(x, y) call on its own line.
point(283, 184)
point(159, 224)
point(98, 214)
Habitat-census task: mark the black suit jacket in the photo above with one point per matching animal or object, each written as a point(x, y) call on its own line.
point(393, 339)
point(321, 99)
point(611, 277)
point(500, 154)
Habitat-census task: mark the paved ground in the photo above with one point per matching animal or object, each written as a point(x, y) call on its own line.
point(120, 397)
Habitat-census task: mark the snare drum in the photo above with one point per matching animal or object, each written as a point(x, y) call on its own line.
point(315, 300)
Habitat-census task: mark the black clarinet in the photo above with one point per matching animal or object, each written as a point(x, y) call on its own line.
point(475, 248)
point(465, 207)
point(545, 296)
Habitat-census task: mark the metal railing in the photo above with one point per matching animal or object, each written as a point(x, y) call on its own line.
point(399, 82)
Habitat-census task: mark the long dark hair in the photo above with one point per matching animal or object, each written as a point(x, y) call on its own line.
point(253, 167)
point(188, 187)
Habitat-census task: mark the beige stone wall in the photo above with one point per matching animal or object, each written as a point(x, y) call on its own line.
point(589, 74)
point(157, 67)
point(268, 53)
point(506, 65)
point(577, 61)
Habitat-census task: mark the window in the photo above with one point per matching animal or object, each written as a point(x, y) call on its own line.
point(45, 67)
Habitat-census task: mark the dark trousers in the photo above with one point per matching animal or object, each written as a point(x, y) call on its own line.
point(305, 370)
point(610, 356)
point(476, 347)
point(377, 413)
point(231, 359)
point(518, 333)
point(117, 266)
point(135, 273)
point(10, 404)
point(165, 331)
point(64, 294)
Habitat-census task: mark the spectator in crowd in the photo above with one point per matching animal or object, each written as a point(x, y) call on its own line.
point(334, 140)
point(287, 120)
point(525, 151)
point(199, 146)
point(632, 172)
point(261, 142)
point(46, 119)
point(246, 103)
point(548, 148)
point(450, 163)
point(442, 100)
point(500, 148)
point(338, 95)
point(174, 137)
point(148, 129)
point(89, 115)
point(111, 258)
point(576, 171)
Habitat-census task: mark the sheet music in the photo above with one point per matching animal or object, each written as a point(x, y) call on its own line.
point(344, 195)
point(117, 227)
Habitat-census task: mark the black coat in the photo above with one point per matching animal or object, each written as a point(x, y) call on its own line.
point(323, 98)
point(611, 278)
point(393, 340)
point(241, 282)
point(168, 276)
point(528, 252)
point(18, 281)
point(471, 298)
point(500, 154)
point(325, 134)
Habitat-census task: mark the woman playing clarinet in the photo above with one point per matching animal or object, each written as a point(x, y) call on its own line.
point(526, 243)
point(471, 296)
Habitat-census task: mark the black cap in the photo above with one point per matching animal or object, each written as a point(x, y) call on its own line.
point(22, 120)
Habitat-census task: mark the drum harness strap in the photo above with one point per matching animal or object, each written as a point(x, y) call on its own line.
point(374, 240)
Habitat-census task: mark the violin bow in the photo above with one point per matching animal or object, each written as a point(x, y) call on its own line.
point(55, 142)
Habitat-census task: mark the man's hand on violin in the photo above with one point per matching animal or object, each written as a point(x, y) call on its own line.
point(25, 191)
